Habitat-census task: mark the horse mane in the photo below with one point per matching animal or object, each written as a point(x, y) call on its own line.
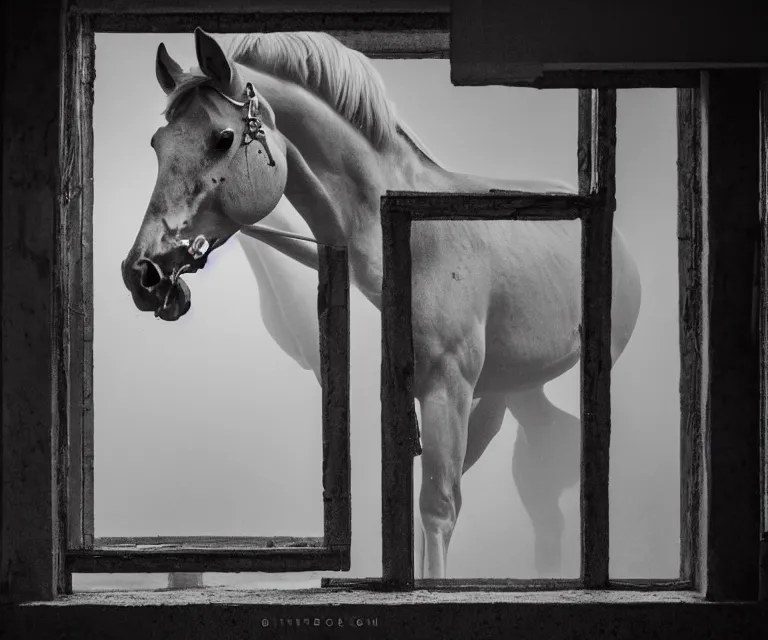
point(343, 78)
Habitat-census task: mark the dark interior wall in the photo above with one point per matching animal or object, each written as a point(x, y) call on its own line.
point(604, 33)
point(30, 148)
point(29, 81)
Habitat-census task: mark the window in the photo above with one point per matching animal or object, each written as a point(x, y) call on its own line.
point(45, 293)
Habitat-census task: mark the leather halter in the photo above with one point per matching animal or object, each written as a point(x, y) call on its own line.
point(253, 131)
point(254, 128)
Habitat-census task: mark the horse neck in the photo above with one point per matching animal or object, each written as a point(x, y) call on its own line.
point(336, 177)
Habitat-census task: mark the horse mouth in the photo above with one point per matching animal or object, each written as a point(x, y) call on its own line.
point(166, 293)
point(156, 284)
point(175, 300)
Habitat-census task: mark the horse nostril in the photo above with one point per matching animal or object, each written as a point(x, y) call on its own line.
point(151, 275)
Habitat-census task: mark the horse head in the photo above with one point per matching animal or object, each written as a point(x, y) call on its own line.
point(221, 166)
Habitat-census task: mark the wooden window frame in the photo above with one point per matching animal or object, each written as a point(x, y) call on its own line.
point(190, 554)
point(39, 306)
point(84, 552)
point(594, 206)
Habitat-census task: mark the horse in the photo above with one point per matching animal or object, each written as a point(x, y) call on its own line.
point(496, 306)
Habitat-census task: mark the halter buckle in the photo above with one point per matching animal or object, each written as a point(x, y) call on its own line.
point(198, 247)
point(254, 128)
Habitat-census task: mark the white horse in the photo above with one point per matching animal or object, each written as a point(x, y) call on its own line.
point(496, 306)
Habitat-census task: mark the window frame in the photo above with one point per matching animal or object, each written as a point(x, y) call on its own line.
point(34, 435)
point(331, 552)
point(399, 431)
point(594, 206)
point(182, 554)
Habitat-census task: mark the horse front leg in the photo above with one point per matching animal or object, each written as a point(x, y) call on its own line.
point(445, 411)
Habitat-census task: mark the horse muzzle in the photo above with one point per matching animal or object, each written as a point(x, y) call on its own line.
point(168, 296)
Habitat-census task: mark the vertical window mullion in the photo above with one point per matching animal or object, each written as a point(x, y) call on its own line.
point(597, 233)
point(399, 442)
point(690, 310)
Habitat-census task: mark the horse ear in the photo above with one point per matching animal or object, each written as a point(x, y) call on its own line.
point(167, 69)
point(212, 59)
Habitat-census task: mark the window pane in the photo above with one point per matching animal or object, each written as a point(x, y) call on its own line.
point(204, 426)
point(645, 401)
point(503, 133)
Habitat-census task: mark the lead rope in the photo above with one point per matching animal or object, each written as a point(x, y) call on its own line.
point(276, 232)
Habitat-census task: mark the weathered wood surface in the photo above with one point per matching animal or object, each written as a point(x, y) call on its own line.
point(505, 584)
point(399, 432)
point(78, 115)
point(246, 7)
point(596, 274)
point(551, 77)
point(209, 542)
point(204, 614)
point(689, 237)
point(494, 205)
point(333, 318)
point(730, 152)
point(188, 560)
point(584, 160)
point(418, 32)
point(763, 563)
point(554, 77)
point(34, 393)
point(454, 584)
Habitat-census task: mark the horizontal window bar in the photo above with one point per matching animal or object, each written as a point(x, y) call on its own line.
point(508, 584)
point(543, 78)
point(208, 542)
point(231, 22)
point(223, 560)
point(245, 7)
point(495, 205)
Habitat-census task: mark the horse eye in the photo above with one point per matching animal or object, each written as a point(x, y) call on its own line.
point(224, 139)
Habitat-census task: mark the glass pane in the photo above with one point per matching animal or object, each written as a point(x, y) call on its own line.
point(645, 401)
point(513, 134)
point(204, 426)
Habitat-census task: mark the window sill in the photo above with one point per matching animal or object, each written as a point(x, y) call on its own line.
point(206, 613)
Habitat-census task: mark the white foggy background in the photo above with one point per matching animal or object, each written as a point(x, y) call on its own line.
point(206, 427)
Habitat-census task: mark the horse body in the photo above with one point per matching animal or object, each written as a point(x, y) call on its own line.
point(496, 305)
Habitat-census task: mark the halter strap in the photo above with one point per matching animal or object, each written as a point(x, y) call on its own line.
point(254, 129)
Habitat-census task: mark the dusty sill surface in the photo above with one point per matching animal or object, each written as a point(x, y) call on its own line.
point(339, 597)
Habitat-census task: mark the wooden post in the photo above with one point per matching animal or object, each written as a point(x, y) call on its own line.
point(596, 275)
point(77, 183)
point(397, 404)
point(730, 152)
point(34, 271)
point(690, 309)
point(333, 319)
